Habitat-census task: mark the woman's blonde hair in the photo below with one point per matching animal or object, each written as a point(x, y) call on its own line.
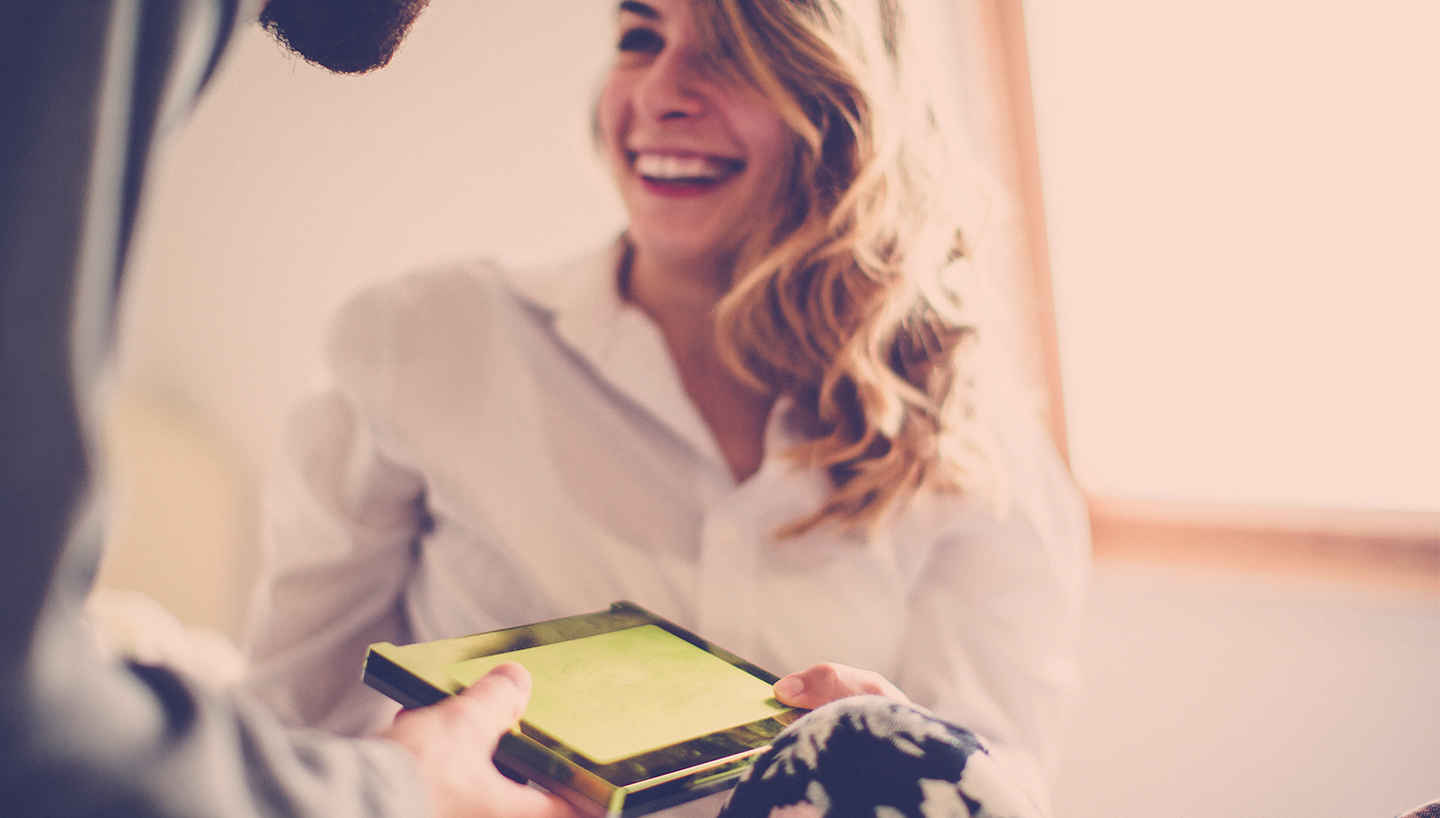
point(840, 303)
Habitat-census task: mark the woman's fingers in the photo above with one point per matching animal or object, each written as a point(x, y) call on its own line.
point(826, 682)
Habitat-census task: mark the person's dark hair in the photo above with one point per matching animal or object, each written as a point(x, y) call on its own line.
point(345, 36)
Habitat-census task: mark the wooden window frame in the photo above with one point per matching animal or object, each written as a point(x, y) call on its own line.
point(1393, 549)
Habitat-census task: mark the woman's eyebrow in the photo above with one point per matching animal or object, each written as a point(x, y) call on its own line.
point(641, 9)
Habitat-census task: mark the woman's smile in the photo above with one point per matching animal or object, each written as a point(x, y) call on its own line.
point(699, 157)
point(683, 174)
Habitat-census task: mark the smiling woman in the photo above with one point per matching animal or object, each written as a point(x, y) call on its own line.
point(765, 411)
point(700, 158)
point(702, 161)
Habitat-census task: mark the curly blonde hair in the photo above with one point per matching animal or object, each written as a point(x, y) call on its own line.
point(840, 304)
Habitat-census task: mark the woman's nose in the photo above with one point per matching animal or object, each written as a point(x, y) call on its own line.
point(673, 87)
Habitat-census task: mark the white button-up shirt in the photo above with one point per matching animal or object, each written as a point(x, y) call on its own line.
point(499, 449)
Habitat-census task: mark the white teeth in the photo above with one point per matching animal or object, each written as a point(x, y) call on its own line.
point(669, 166)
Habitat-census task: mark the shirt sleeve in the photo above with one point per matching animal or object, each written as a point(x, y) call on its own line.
point(994, 618)
point(89, 737)
point(344, 524)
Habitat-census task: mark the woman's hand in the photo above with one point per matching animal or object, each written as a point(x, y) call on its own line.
point(454, 742)
point(824, 683)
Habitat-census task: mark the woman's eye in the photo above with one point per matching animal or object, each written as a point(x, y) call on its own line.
point(641, 40)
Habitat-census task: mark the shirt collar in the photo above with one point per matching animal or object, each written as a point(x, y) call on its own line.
point(616, 339)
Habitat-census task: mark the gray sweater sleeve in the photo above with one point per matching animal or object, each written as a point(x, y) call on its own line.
point(87, 87)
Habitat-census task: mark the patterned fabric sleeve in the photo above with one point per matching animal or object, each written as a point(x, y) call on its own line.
point(870, 756)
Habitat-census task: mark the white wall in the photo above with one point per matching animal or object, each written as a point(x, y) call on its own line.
point(291, 188)
point(1207, 694)
point(288, 190)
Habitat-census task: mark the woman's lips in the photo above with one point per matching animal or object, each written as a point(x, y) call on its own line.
point(679, 174)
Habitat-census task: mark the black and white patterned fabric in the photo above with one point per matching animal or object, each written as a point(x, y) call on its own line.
point(873, 757)
point(1430, 810)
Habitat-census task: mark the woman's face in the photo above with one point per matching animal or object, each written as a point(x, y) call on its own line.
point(700, 159)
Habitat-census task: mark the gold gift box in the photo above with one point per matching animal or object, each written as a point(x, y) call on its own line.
point(630, 713)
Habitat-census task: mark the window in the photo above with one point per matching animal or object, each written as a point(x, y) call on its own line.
point(1242, 208)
